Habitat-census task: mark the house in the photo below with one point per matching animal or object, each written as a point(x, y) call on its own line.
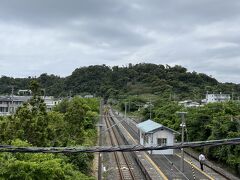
point(155, 134)
point(50, 102)
point(89, 96)
point(24, 92)
point(189, 103)
point(211, 98)
point(9, 104)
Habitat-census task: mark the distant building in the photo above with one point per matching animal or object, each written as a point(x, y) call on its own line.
point(211, 98)
point(24, 92)
point(50, 102)
point(88, 96)
point(155, 134)
point(9, 104)
point(189, 103)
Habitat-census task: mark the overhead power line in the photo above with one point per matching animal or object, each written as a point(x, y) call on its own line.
point(123, 148)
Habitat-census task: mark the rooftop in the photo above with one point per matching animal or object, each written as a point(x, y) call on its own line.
point(14, 98)
point(150, 126)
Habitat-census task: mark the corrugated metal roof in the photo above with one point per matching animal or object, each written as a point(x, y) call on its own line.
point(149, 125)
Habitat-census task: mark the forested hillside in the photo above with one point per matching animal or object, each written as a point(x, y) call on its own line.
point(101, 80)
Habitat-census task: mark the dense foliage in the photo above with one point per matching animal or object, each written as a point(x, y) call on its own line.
point(217, 121)
point(143, 78)
point(75, 124)
point(209, 122)
point(146, 89)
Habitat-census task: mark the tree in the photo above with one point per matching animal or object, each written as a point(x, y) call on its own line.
point(35, 88)
point(36, 166)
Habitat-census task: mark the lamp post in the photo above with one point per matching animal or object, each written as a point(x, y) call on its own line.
point(183, 125)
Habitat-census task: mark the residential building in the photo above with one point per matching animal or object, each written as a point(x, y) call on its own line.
point(189, 103)
point(211, 98)
point(89, 96)
point(24, 92)
point(9, 104)
point(155, 134)
point(50, 102)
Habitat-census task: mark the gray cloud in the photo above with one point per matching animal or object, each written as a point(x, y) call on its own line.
point(58, 36)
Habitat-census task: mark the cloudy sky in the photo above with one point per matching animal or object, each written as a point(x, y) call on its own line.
point(57, 36)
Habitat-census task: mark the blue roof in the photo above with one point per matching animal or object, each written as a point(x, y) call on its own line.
point(149, 126)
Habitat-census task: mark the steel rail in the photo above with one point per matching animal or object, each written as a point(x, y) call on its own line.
point(113, 144)
point(128, 126)
point(119, 155)
point(123, 153)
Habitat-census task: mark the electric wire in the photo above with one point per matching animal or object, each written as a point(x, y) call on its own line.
point(123, 148)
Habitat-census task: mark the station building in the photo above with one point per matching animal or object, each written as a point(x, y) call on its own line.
point(155, 134)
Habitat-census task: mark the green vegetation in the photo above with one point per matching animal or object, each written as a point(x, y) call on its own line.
point(144, 88)
point(100, 80)
point(33, 126)
point(217, 121)
point(209, 122)
point(36, 166)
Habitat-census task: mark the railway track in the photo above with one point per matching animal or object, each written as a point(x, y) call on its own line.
point(131, 127)
point(148, 168)
point(125, 164)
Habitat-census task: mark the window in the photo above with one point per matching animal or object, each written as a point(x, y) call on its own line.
point(162, 141)
point(146, 138)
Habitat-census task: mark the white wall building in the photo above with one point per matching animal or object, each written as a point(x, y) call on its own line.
point(155, 134)
point(89, 96)
point(189, 103)
point(211, 98)
point(9, 104)
point(50, 102)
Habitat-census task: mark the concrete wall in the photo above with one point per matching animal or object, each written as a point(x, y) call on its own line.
point(152, 140)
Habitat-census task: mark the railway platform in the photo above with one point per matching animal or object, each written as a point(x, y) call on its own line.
point(170, 164)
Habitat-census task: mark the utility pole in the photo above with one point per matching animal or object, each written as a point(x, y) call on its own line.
point(44, 93)
point(129, 103)
point(150, 108)
point(100, 140)
point(125, 115)
point(11, 110)
point(183, 125)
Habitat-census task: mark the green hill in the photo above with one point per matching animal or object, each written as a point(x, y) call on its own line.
point(102, 80)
